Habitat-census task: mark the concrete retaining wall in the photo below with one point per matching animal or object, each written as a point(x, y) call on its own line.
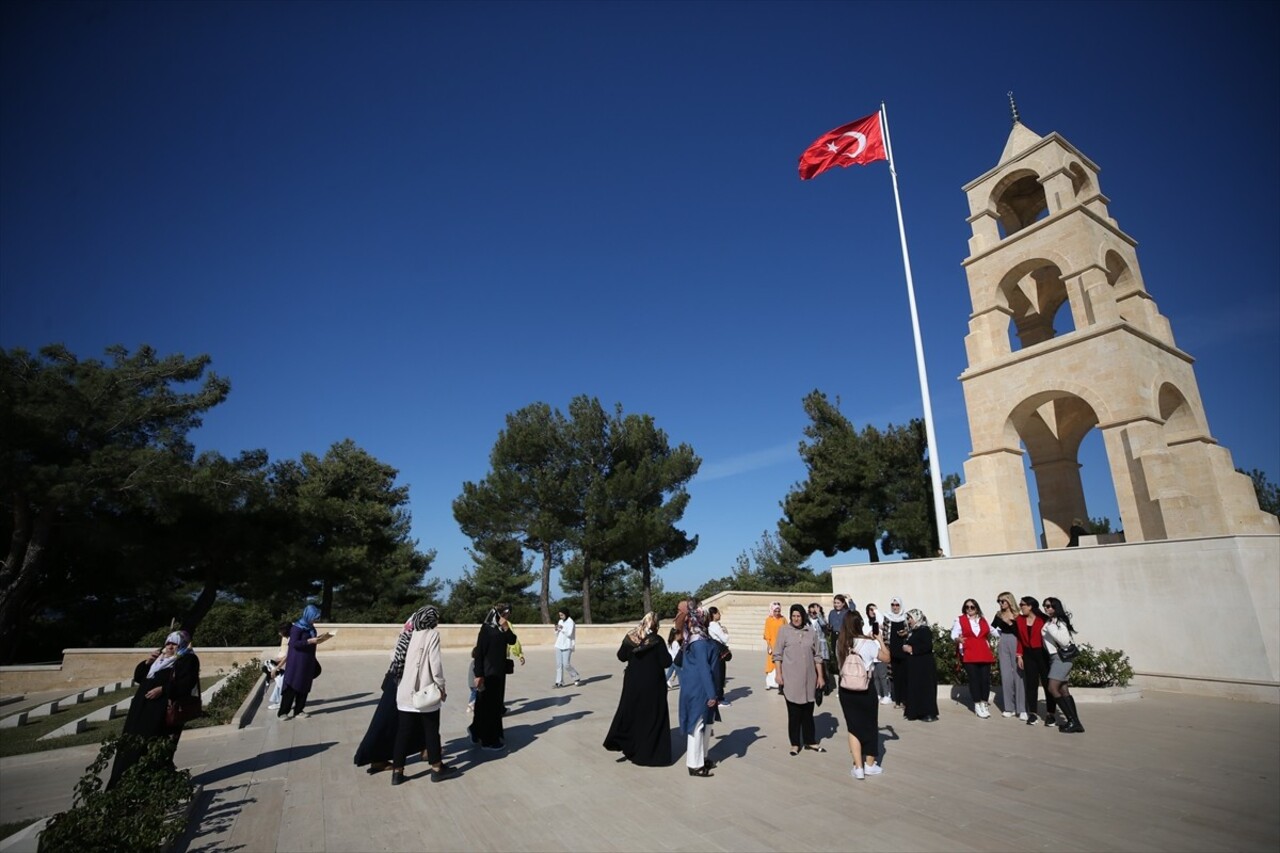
point(1143, 597)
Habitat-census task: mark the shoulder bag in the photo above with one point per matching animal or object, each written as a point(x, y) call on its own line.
point(425, 697)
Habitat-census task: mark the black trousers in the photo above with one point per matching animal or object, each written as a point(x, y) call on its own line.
point(979, 681)
point(800, 723)
point(899, 679)
point(1035, 672)
point(291, 699)
point(429, 721)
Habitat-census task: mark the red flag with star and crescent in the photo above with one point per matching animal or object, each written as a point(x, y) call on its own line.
point(860, 142)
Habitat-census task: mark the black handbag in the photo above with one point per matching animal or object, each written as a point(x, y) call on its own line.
point(1068, 652)
point(510, 666)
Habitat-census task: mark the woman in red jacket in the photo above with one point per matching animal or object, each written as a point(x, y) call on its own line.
point(973, 633)
point(1033, 660)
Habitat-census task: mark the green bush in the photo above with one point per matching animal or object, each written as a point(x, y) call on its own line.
point(145, 810)
point(1106, 668)
point(224, 704)
point(228, 623)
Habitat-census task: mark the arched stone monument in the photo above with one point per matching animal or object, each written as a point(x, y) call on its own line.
point(1065, 338)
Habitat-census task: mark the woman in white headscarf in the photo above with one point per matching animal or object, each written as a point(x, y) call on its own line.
point(895, 632)
point(772, 624)
point(170, 673)
point(922, 677)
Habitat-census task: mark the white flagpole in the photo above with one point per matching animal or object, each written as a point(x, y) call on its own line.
point(935, 466)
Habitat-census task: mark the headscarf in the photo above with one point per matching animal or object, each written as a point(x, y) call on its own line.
point(917, 618)
point(890, 615)
point(695, 625)
point(417, 620)
point(775, 608)
point(306, 622)
point(804, 615)
point(648, 625)
point(183, 640)
point(493, 617)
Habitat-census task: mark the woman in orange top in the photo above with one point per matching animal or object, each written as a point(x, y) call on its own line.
point(772, 623)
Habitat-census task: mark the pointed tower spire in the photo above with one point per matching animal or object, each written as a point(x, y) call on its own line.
point(1013, 107)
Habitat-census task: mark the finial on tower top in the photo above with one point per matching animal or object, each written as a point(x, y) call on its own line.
point(1013, 107)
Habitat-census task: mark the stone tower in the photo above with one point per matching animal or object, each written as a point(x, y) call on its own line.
point(1041, 378)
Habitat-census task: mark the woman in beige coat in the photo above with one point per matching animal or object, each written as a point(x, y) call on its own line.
point(422, 666)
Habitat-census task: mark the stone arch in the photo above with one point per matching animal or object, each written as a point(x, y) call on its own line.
point(1081, 185)
point(1033, 292)
point(1051, 425)
point(1119, 273)
point(1179, 417)
point(1018, 200)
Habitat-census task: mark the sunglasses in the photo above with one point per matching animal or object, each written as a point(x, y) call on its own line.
point(970, 607)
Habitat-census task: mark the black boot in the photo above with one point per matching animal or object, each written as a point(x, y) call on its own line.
point(1068, 704)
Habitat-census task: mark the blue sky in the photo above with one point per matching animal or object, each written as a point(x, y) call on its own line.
point(400, 222)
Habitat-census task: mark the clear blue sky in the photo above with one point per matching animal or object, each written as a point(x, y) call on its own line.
point(400, 222)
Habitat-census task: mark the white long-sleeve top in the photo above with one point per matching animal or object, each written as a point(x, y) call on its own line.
point(565, 630)
point(1055, 635)
point(717, 632)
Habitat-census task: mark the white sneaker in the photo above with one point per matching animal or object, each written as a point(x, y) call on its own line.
point(1023, 716)
point(981, 710)
point(873, 770)
point(886, 700)
point(857, 773)
point(275, 707)
point(1006, 714)
point(724, 704)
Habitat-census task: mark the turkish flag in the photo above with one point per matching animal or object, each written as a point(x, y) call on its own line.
point(858, 142)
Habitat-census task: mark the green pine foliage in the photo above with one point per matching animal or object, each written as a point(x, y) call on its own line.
point(144, 811)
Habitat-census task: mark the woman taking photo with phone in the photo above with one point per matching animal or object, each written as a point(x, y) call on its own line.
point(170, 673)
point(303, 666)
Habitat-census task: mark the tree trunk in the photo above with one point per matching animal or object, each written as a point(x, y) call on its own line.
point(544, 593)
point(17, 542)
point(646, 574)
point(200, 607)
point(14, 595)
point(586, 590)
point(326, 599)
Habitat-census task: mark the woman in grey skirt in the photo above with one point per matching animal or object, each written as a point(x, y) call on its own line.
point(1013, 691)
point(1057, 632)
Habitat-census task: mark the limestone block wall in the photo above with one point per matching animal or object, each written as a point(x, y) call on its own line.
point(1145, 598)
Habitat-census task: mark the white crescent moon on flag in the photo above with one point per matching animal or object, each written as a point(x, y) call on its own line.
point(862, 143)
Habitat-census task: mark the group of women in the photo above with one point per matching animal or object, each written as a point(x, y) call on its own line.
point(806, 658)
point(1034, 647)
point(1029, 646)
point(407, 719)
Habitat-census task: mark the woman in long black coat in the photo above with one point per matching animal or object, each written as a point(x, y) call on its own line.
point(380, 739)
point(172, 672)
point(641, 728)
point(922, 670)
point(491, 678)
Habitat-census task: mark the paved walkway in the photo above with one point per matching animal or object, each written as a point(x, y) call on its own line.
point(1165, 773)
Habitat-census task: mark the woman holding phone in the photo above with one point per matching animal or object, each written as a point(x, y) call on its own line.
point(302, 667)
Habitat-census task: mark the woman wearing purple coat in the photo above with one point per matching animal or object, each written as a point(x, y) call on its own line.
point(303, 667)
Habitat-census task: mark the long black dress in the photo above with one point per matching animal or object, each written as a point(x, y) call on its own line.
point(380, 738)
point(641, 728)
point(146, 716)
point(922, 676)
point(895, 636)
point(491, 664)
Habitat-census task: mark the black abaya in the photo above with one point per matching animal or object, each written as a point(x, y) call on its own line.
point(641, 728)
point(380, 739)
point(922, 676)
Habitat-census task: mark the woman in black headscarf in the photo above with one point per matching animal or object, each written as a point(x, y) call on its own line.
point(379, 739)
point(491, 678)
point(170, 673)
point(641, 728)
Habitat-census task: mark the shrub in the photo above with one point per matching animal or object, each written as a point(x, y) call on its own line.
point(228, 623)
point(224, 704)
point(144, 810)
point(1106, 668)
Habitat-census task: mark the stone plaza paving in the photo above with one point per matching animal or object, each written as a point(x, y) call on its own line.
point(1165, 773)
